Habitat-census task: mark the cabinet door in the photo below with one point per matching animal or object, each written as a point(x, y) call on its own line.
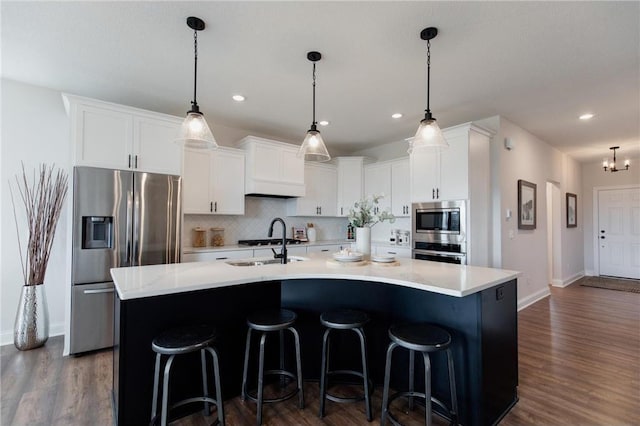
point(309, 205)
point(292, 167)
point(424, 170)
point(349, 183)
point(326, 248)
point(196, 197)
point(154, 146)
point(103, 138)
point(454, 169)
point(227, 180)
point(400, 194)
point(325, 185)
point(208, 256)
point(377, 181)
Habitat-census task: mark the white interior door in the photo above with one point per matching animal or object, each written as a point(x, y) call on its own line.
point(619, 232)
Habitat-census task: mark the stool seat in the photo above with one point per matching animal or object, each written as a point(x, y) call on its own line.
point(421, 337)
point(272, 320)
point(344, 319)
point(184, 340)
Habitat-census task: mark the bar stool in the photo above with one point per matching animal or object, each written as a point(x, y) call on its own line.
point(423, 338)
point(344, 320)
point(265, 322)
point(180, 341)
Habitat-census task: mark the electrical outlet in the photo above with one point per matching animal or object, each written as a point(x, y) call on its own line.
point(499, 293)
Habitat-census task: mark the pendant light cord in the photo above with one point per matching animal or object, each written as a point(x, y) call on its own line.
point(314, 95)
point(195, 66)
point(428, 72)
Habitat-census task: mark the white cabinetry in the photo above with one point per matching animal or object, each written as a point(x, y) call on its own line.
point(397, 251)
point(350, 186)
point(326, 248)
point(213, 182)
point(272, 168)
point(390, 178)
point(120, 137)
point(207, 256)
point(292, 250)
point(451, 173)
point(320, 192)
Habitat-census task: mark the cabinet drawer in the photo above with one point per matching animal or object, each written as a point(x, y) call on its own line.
point(216, 255)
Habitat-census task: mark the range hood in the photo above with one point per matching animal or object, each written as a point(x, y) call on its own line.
point(272, 168)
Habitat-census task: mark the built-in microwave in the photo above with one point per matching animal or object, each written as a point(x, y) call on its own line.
point(439, 231)
point(439, 221)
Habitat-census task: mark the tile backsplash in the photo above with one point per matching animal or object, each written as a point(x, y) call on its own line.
point(258, 213)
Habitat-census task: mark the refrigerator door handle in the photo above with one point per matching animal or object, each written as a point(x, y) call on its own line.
point(100, 291)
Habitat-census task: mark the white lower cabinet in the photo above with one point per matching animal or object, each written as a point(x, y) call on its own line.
point(213, 182)
point(291, 251)
point(399, 252)
point(328, 248)
point(216, 255)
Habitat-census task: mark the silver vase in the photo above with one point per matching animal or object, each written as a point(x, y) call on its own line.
point(32, 319)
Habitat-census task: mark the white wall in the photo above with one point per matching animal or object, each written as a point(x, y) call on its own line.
point(593, 177)
point(34, 131)
point(572, 266)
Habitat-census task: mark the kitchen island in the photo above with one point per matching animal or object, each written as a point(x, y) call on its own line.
point(477, 305)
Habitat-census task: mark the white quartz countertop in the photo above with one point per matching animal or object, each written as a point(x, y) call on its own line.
point(443, 278)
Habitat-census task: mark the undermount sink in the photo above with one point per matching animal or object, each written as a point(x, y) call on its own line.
point(260, 262)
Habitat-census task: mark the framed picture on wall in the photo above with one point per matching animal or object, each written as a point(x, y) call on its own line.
point(526, 205)
point(572, 210)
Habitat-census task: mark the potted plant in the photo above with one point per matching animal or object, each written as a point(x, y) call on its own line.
point(42, 199)
point(362, 216)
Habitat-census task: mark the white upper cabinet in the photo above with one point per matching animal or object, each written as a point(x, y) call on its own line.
point(400, 188)
point(390, 178)
point(272, 168)
point(350, 185)
point(450, 173)
point(213, 182)
point(320, 197)
point(120, 137)
point(377, 181)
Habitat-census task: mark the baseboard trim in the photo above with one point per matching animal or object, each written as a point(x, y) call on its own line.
point(590, 273)
point(6, 337)
point(533, 298)
point(568, 281)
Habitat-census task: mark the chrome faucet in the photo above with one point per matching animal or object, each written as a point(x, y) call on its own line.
point(283, 253)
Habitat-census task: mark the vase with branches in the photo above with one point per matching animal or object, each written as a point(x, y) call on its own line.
point(363, 215)
point(42, 198)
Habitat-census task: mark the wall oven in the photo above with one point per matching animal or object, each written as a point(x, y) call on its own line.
point(439, 231)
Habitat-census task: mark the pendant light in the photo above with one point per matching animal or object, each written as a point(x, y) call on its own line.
point(313, 147)
point(611, 166)
point(429, 134)
point(195, 132)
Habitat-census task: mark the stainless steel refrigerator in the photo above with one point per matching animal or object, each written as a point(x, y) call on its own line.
point(121, 218)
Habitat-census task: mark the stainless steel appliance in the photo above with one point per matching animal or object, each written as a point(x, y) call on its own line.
point(121, 218)
point(439, 231)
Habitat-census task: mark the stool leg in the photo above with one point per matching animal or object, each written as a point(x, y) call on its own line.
point(387, 378)
point(216, 376)
point(165, 391)
point(452, 389)
point(246, 366)
point(205, 387)
point(323, 371)
point(261, 379)
point(299, 368)
point(156, 380)
point(365, 371)
point(282, 378)
point(427, 388)
point(412, 370)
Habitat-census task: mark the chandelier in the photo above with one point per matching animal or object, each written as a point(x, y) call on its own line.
point(611, 165)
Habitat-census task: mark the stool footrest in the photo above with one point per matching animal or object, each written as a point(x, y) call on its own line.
point(418, 395)
point(290, 395)
point(335, 398)
point(190, 401)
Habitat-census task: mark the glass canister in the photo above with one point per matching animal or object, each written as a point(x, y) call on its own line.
point(217, 237)
point(199, 237)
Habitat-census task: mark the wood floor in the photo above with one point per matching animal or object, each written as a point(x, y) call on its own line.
point(579, 358)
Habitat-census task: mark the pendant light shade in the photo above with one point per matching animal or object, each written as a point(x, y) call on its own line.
point(428, 134)
point(313, 147)
point(195, 132)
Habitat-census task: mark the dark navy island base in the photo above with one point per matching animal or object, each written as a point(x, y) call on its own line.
point(483, 327)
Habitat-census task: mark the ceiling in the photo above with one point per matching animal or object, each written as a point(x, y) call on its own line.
point(538, 64)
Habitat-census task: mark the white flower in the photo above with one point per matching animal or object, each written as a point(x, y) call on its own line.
point(365, 213)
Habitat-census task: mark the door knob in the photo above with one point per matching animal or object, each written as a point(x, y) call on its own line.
point(602, 237)
point(602, 230)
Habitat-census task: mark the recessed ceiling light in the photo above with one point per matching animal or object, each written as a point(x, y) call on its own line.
point(323, 123)
point(396, 115)
point(586, 116)
point(238, 98)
